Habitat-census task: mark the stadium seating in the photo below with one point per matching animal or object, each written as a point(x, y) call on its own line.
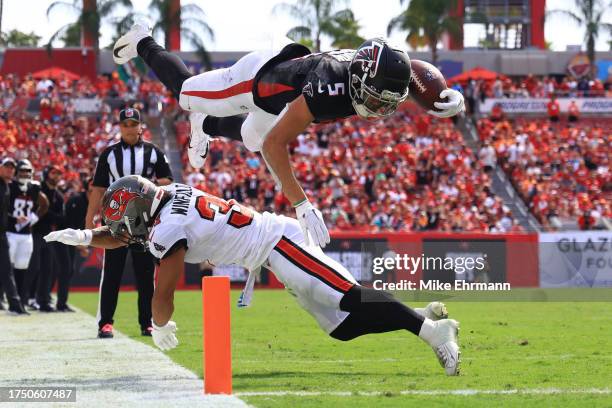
point(561, 170)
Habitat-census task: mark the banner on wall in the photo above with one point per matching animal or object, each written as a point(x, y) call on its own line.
point(576, 259)
point(538, 105)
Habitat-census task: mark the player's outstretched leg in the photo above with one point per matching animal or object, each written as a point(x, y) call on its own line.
point(172, 72)
point(373, 311)
point(168, 67)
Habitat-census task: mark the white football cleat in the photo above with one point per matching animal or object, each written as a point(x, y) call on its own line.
point(442, 337)
point(434, 311)
point(197, 148)
point(125, 47)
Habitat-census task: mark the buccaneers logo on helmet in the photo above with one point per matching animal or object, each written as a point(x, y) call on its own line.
point(117, 204)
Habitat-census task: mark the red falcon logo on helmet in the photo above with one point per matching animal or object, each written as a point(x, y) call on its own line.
point(118, 203)
point(369, 57)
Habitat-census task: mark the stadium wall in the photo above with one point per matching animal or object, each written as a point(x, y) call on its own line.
point(513, 258)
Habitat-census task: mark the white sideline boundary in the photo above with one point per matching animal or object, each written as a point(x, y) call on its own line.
point(465, 392)
point(61, 349)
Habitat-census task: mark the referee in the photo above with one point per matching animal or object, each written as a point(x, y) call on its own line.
point(128, 157)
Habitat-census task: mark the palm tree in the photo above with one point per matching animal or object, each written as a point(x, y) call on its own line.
point(318, 18)
point(590, 15)
point(344, 30)
point(90, 20)
point(426, 21)
point(190, 19)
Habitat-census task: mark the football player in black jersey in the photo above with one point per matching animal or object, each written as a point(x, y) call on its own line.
point(282, 91)
point(27, 204)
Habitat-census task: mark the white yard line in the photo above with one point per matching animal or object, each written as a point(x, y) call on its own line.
point(465, 392)
point(61, 349)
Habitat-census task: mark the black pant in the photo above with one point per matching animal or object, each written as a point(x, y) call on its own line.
point(7, 277)
point(63, 271)
point(40, 272)
point(144, 267)
point(172, 72)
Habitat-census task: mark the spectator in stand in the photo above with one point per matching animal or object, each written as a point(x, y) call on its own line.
point(497, 113)
point(553, 109)
point(487, 157)
point(573, 112)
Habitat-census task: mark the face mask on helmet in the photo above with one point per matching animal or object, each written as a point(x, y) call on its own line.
point(128, 208)
point(379, 78)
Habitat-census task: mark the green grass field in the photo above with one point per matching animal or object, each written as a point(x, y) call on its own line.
point(553, 353)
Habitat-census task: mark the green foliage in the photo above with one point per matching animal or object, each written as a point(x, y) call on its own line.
point(319, 18)
point(425, 21)
point(72, 36)
point(16, 38)
point(590, 16)
point(89, 21)
point(192, 22)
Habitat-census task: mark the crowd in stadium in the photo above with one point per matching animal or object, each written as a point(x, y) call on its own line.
point(58, 134)
point(535, 87)
point(561, 171)
point(409, 172)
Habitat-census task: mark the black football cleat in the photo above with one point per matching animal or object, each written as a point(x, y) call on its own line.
point(17, 310)
point(65, 309)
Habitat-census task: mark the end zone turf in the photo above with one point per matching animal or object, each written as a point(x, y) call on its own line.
point(514, 353)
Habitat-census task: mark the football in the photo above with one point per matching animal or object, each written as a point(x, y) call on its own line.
point(426, 84)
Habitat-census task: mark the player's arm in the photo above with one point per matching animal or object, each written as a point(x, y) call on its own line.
point(43, 204)
point(95, 201)
point(292, 123)
point(100, 238)
point(275, 153)
point(170, 270)
point(171, 267)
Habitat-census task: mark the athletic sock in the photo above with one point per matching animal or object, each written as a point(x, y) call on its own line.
point(168, 67)
point(229, 126)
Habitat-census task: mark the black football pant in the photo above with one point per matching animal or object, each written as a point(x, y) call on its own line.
point(172, 72)
point(62, 268)
point(374, 311)
point(112, 272)
point(37, 282)
point(7, 277)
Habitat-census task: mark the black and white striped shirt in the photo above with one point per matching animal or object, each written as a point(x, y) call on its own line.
point(121, 159)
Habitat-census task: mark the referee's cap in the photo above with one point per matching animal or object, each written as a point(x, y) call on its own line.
point(129, 114)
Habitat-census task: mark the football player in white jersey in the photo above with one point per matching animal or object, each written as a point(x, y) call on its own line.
point(181, 224)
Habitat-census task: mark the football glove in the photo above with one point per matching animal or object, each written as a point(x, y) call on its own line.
point(70, 236)
point(454, 105)
point(164, 337)
point(311, 221)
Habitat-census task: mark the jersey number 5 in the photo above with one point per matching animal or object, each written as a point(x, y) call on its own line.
point(240, 216)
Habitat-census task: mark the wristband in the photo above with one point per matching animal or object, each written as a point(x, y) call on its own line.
point(296, 204)
point(88, 236)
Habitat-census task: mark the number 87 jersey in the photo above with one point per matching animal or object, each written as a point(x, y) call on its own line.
point(212, 229)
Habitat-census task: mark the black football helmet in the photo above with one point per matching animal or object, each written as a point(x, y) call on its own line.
point(379, 76)
point(24, 173)
point(129, 207)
